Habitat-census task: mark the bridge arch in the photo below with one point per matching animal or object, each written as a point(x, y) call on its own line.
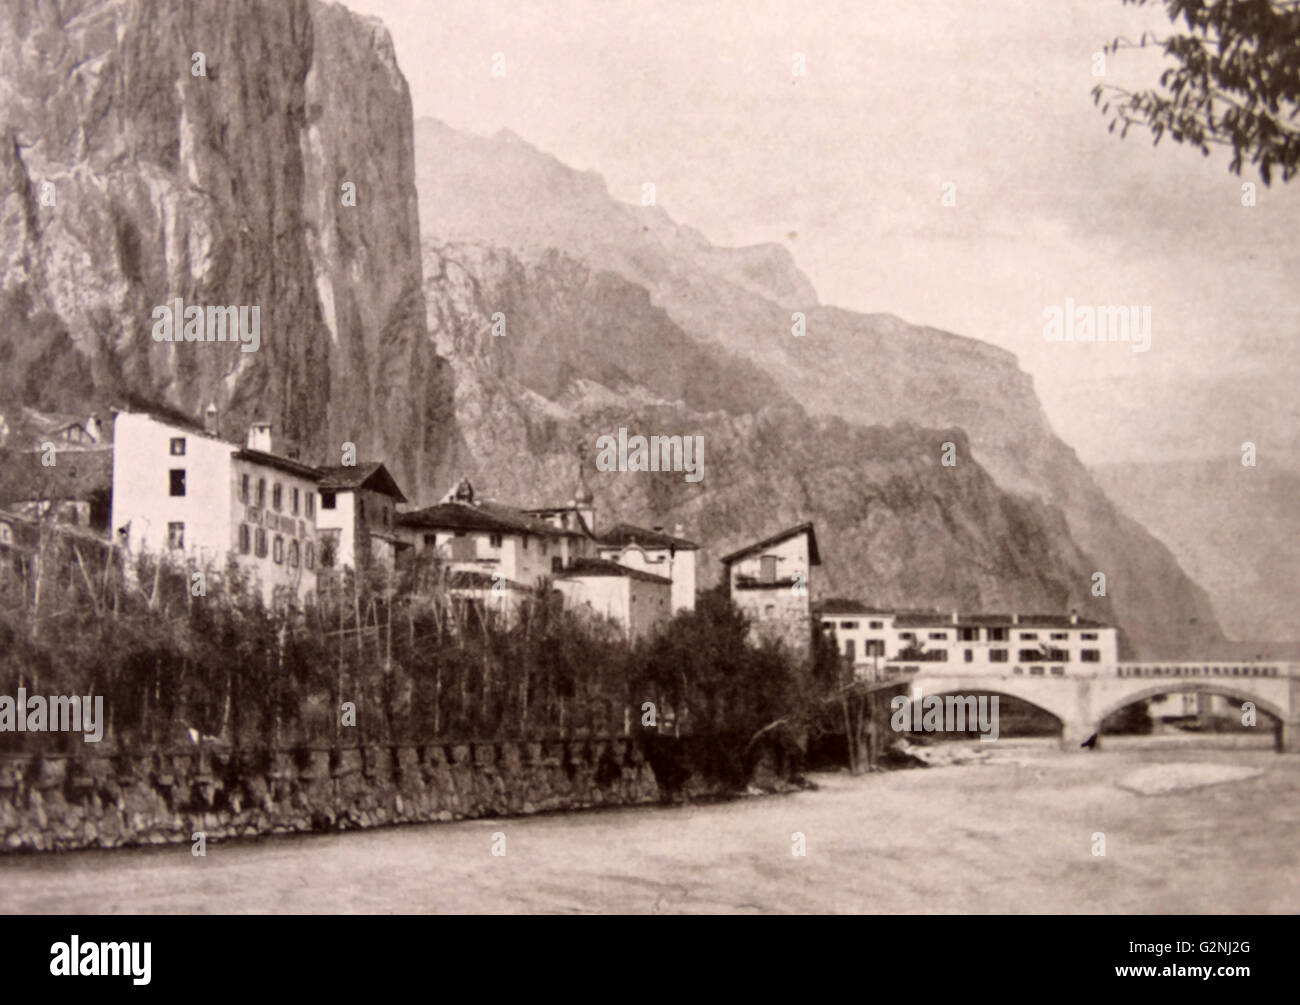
point(1057, 701)
point(1183, 685)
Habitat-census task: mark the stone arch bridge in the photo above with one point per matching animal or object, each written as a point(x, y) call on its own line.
point(1082, 699)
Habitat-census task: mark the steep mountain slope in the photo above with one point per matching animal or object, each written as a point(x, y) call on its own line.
point(585, 353)
point(220, 189)
point(1235, 529)
point(867, 369)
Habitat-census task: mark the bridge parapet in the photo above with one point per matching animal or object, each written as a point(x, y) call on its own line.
point(1208, 669)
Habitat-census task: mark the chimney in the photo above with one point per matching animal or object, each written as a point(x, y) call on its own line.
point(93, 427)
point(292, 453)
point(954, 617)
point(259, 437)
point(210, 419)
point(1074, 616)
point(679, 530)
point(1015, 619)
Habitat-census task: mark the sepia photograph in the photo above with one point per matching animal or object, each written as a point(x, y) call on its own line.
point(617, 458)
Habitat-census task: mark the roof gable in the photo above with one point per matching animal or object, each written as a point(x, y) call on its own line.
point(814, 558)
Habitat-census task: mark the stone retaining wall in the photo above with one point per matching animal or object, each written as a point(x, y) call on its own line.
point(114, 800)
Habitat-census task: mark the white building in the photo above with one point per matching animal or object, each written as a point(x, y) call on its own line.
point(182, 491)
point(653, 551)
point(1030, 644)
point(639, 601)
point(357, 518)
point(771, 582)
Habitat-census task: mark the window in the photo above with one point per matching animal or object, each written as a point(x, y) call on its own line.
point(176, 536)
point(939, 655)
point(939, 635)
point(293, 506)
point(245, 539)
point(1058, 655)
point(828, 624)
point(874, 647)
point(277, 496)
point(1089, 636)
point(525, 541)
point(293, 554)
point(557, 564)
point(997, 634)
point(261, 494)
point(970, 656)
point(311, 506)
point(1058, 636)
point(848, 649)
point(997, 655)
point(1028, 636)
point(848, 624)
point(178, 446)
point(361, 508)
point(326, 500)
point(1035, 671)
point(277, 550)
point(310, 555)
point(1058, 671)
point(431, 540)
point(1090, 655)
point(907, 636)
point(767, 569)
point(260, 543)
point(177, 481)
point(546, 546)
point(494, 540)
point(243, 488)
point(1029, 656)
point(875, 624)
point(968, 634)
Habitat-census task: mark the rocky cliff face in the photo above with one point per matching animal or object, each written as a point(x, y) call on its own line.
point(126, 181)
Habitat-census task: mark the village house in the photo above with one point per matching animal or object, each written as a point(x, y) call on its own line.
point(653, 551)
point(639, 601)
point(771, 582)
point(181, 490)
point(356, 521)
point(57, 467)
point(498, 550)
point(876, 640)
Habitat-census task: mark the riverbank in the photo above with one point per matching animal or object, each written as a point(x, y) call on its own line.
point(1012, 834)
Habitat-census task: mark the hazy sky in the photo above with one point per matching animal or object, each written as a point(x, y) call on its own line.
point(846, 165)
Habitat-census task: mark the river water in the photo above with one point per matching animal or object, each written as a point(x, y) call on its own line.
point(1015, 833)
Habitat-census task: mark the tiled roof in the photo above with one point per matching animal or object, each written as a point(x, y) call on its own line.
point(836, 605)
point(814, 558)
point(484, 516)
point(584, 567)
point(935, 619)
point(371, 475)
point(276, 461)
point(623, 534)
